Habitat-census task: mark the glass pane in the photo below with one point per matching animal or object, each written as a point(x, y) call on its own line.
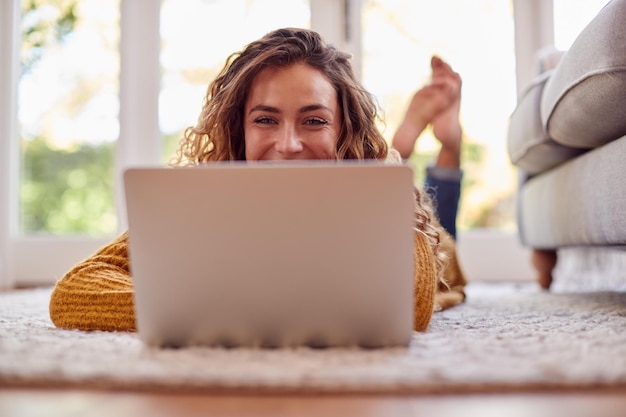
point(476, 38)
point(570, 18)
point(68, 116)
point(196, 37)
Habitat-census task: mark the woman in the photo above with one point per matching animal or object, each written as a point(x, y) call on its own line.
point(286, 96)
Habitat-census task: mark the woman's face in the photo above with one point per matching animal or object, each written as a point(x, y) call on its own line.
point(291, 113)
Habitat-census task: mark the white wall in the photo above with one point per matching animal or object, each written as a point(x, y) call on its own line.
point(494, 256)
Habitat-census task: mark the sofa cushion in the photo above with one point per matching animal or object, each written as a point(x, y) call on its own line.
point(581, 202)
point(583, 103)
point(529, 146)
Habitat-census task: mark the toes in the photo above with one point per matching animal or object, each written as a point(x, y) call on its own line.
point(439, 65)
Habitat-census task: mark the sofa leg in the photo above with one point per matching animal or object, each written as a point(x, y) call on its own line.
point(544, 262)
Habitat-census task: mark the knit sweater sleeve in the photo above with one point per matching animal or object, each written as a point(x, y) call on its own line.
point(97, 294)
point(425, 282)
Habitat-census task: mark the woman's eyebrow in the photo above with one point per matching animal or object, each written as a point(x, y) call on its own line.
point(313, 107)
point(304, 109)
point(265, 108)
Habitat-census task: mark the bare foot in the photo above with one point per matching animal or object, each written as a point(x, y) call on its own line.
point(437, 103)
point(544, 262)
point(425, 105)
point(446, 125)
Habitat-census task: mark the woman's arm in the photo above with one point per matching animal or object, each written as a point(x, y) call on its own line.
point(432, 293)
point(425, 282)
point(97, 294)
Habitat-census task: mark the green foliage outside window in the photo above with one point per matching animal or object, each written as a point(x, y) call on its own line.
point(39, 32)
point(67, 191)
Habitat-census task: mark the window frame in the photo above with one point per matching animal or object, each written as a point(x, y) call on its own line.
point(9, 17)
point(41, 260)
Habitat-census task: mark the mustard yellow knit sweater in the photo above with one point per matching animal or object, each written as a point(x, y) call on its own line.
point(97, 294)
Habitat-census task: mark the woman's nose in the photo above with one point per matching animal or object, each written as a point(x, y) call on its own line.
point(289, 141)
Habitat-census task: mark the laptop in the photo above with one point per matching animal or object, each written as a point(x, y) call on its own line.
point(272, 254)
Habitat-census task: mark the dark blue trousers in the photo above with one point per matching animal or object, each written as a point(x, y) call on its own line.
point(443, 185)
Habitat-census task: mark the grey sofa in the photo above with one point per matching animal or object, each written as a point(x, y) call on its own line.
point(567, 136)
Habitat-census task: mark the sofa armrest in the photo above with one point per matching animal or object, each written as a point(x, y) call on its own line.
point(584, 102)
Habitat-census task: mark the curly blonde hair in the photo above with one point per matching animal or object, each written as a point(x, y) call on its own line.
point(219, 134)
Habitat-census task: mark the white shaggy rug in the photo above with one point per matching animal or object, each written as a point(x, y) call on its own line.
point(506, 337)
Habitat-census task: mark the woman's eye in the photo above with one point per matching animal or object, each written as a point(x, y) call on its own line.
point(316, 121)
point(263, 120)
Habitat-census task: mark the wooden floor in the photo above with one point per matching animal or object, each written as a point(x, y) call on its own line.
point(67, 403)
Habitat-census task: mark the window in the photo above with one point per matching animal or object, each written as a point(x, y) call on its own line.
point(68, 117)
point(486, 63)
point(79, 122)
point(570, 17)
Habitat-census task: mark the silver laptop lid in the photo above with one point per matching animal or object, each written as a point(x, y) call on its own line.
point(283, 254)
